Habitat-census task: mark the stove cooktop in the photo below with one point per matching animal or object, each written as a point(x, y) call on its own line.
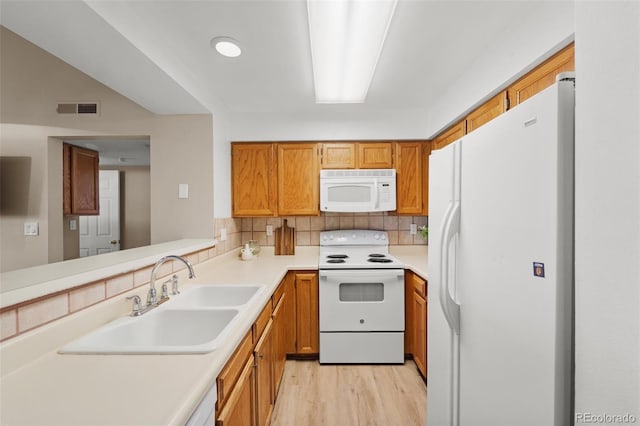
point(356, 249)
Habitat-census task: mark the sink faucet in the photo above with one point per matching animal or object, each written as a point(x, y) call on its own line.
point(152, 298)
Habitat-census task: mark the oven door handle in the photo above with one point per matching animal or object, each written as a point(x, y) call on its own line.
point(362, 275)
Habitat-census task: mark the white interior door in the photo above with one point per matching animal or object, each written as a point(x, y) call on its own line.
point(101, 234)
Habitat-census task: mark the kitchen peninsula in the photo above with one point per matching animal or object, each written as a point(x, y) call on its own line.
point(139, 389)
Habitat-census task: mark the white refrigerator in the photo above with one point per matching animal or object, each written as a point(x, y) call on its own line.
point(500, 305)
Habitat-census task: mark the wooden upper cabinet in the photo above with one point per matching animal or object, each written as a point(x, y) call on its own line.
point(253, 179)
point(487, 111)
point(450, 135)
point(357, 155)
point(375, 155)
point(298, 179)
point(80, 181)
point(337, 155)
point(411, 184)
point(543, 76)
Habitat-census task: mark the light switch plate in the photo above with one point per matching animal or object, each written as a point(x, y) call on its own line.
point(413, 229)
point(31, 229)
point(183, 190)
point(223, 234)
point(73, 225)
point(269, 230)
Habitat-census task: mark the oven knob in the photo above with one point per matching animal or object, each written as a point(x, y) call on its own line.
point(383, 236)
point(331, 237)
point(376, 236)
point(353, 236)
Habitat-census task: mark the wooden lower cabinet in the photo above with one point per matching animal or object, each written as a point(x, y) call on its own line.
point(307, 321)
point(238, 411)
point(420, 332)
point(263, 355)
point(415, 343)
point(249, 382)
point(279, 343)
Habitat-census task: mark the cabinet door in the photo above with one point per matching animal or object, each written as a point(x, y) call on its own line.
point(290, 313)
point(253, 179)
point(420, 332)
point(307, 339)
point(338, 155)
point(375, 155)
point(487, 111)
point(298, 179)
point(279, 343)
point(239, 409)
point(263, 354)
point(409, 321)
point(542, 76)
point(450, 135)
point(80, 181)
point(410, 183)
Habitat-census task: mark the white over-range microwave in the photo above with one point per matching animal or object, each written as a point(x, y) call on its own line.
point(358, 190)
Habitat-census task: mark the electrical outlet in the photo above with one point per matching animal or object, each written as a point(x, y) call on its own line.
point(269, 230)
point(73, 225)
point(413, 229)
point(223, 234)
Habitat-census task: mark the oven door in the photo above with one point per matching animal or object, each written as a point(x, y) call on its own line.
point(361, 300)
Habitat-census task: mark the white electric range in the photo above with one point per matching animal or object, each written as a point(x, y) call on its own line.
point(361, 299)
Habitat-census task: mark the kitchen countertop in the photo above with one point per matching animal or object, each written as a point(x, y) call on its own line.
point(50, 388)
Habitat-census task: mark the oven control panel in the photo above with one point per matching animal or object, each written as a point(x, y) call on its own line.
point(353, 237)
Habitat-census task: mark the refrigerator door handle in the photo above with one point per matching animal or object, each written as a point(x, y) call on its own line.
point(449, 306)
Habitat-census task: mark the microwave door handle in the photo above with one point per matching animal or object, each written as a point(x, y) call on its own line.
point(376, 193)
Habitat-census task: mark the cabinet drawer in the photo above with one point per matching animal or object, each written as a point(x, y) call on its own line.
point(228, 377)
point(261, 323)
point(419, 285)
point(277, 295)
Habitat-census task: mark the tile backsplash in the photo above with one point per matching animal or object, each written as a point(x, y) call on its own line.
point(308, 228)
point(20, 318)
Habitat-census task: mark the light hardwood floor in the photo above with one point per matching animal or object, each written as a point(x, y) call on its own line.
point(350, 395)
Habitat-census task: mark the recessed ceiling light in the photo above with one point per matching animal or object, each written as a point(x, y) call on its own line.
point(226, 46)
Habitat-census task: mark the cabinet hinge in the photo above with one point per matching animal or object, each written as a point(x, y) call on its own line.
point(507, 102)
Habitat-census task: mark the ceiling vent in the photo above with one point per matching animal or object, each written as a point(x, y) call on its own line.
point(84, 108)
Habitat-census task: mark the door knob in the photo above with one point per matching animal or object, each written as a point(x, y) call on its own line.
point(114, 241)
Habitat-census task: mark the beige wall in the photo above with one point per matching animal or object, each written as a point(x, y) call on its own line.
point(135, 205)
point(32, 82)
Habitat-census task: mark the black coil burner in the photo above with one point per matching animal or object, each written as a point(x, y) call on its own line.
point(379, 260)
point(377, 255)
point(336, 260)
point(337, 256)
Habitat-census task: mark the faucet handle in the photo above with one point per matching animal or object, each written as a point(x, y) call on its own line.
point(165, 291)
point(152, 299)
point(137, 305)
point(174, 285)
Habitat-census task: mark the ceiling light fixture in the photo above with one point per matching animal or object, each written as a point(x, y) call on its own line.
point(226, 46)
point(346, 40)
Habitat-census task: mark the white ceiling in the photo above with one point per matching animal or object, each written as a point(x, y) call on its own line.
point(157, 53)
